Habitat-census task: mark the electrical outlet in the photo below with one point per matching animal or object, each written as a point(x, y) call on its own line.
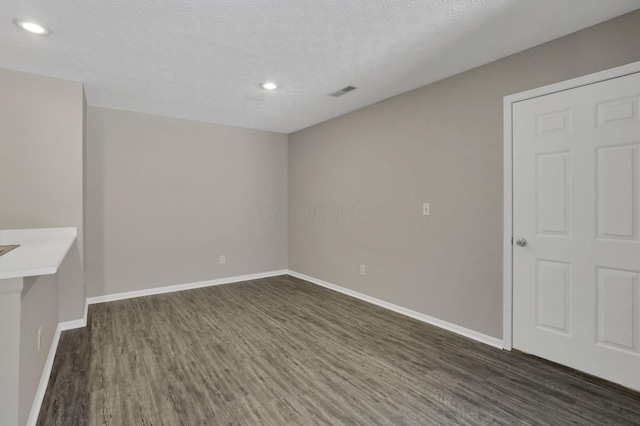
point(223, 259)
point(39, 337)
point(363, 271)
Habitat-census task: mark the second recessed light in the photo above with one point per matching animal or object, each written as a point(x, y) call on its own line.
point(269, 85)
point(32, 27)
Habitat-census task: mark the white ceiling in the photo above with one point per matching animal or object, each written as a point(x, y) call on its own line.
point(205, 59)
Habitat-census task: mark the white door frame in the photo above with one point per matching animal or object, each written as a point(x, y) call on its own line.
point(507, 311)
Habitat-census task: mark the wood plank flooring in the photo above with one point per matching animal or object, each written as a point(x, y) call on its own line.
point(281, 351)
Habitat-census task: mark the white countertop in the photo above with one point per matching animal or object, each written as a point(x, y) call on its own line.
point(41, 251)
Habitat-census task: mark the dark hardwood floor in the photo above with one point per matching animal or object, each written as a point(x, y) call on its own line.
point(281, 351)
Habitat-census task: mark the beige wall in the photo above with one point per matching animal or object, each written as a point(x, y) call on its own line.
point(443, 144)
point(41, 146)
point(41, 186)
point(41, 166)
point(166, 197)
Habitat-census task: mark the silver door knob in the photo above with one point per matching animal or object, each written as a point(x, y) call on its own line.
point(521, 242)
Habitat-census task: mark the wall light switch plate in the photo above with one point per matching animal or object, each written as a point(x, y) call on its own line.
point(426, 209)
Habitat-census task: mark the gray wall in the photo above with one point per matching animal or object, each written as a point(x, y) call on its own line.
point(166, 197)
point(357, 182)
point(41, 186)
point(39, 308)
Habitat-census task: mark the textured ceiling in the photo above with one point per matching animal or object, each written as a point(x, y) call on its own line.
point(205, 59)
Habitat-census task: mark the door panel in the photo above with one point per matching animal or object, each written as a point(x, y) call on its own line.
point(553, 176)
point(617, 170)
point(576, 183)
point(554, 296)
point(617, 297)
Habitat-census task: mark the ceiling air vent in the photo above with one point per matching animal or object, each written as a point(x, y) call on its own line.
point(342, 91)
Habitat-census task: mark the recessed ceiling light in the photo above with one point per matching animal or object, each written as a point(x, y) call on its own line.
point(32, 27)
point(269, 85)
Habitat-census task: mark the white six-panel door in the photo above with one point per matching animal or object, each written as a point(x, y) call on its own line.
point(576, 195)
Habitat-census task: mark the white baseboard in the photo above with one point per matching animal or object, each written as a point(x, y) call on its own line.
point(79, 323)
point(472, 334)
point(480, 337)
point(44, 378)
point(69, 325)
point(181, 287)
